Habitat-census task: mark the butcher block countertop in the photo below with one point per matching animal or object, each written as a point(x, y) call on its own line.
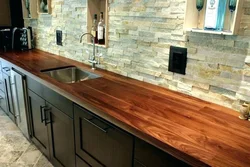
point(195, 131)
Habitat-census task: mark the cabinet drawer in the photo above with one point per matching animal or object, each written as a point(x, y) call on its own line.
point(97, 138)
point(81, 163)
point(147, 155)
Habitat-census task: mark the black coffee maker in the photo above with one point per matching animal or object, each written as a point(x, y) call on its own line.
point(22, 38)
point(5, 39)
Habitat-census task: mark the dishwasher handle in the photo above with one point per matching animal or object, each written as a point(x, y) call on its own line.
point(14, 93)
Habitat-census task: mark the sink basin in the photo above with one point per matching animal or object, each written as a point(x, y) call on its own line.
point(70, 74)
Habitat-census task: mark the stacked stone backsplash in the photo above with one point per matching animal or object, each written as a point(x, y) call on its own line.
point(140, 35)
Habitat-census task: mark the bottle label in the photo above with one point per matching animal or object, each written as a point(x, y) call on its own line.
point(211, 14)
point(100, 32)
point(93, 33)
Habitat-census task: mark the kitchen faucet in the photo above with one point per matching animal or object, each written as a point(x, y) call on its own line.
point(93, 59)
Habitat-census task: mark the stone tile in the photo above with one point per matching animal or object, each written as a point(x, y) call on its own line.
point(30, 156)
point(4, 148)
point(14, 165)
point(15, 149)
point(7, 125)
point(4, 164)
point(10, 156)
point(43, 162)
point(20, 165)
point(14, 140)
point(2, 113)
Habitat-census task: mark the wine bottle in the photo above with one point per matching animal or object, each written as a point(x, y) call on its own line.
point(94, 28)
point(101, 30)
point(221, 15)
point(211, 14)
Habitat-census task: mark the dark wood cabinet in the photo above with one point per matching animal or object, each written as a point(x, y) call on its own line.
point(81, 163)
point(100, 143)
point(39, 130)
point(61, 136)
point(52, 131)
point(147, 155)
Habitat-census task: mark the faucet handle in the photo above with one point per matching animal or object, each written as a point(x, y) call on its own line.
point(88, 53)
point(99, 55)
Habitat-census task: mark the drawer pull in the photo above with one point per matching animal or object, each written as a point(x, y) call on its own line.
point(6, 69)
point(92, 123)
point(42, 113)
point(46, 120)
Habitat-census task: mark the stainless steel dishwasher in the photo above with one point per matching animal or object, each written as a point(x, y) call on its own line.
point(19, 98)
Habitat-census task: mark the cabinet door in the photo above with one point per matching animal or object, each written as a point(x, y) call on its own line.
point(100, 141)
point(81, 163)
point(10, 109)
point(39, 129)
point(147, 155)
point(61, 136)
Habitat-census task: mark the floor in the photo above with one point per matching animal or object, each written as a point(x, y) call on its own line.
point(15, 149)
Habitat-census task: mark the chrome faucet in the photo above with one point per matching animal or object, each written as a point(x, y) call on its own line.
point(93, 59)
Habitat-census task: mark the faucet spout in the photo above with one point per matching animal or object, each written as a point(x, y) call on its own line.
point(92, 60)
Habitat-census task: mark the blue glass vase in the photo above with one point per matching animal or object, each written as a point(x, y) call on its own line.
point(221, 15)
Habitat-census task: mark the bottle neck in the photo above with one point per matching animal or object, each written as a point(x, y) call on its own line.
point(101, 18)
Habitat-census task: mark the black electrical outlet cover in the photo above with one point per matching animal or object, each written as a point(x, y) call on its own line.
point(177, 60)
point(59, 37)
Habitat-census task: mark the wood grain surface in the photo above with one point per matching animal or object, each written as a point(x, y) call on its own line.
point(195, 131)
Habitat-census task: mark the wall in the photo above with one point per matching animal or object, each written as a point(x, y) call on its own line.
point(140, 34)
point(5, 19)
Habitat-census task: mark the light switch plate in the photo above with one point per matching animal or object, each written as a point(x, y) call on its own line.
point(177, 60)
point(59, 37)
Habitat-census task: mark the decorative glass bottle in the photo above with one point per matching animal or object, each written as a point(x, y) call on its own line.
point(94, 28)
point(101, 30)
point(221, 14)
point(211, 14)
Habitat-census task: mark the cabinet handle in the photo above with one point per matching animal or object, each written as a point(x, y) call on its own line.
point(7, 69)
point(46, 122)
point(92, 123)
point(41, 111)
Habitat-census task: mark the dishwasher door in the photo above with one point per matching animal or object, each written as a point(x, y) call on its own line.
point(19, 95)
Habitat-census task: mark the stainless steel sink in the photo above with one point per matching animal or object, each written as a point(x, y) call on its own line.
point(70, 74)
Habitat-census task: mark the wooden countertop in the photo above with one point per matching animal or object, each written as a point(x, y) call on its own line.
point(195, 131)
